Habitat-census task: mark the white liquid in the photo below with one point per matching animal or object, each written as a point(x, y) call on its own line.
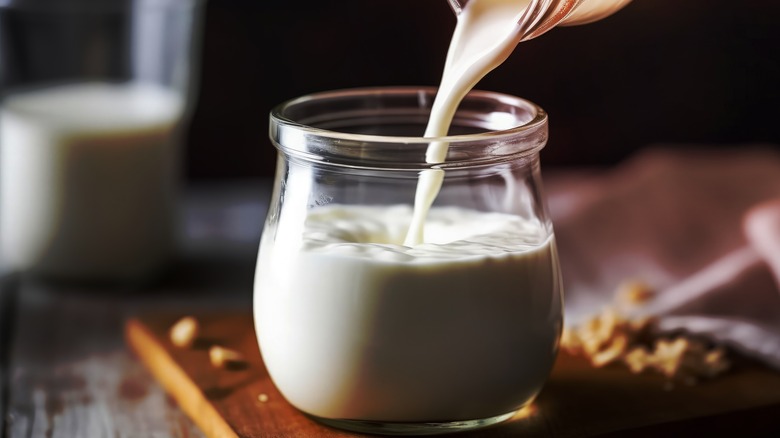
point(486, 33)
point(87, 179)
point(361, 315)
point(354, 325)
point(485, 36)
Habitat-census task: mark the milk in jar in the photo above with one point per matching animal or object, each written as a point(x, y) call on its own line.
point(355, 325)
point(407, 279)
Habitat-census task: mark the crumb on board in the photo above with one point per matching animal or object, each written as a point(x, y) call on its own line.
point(262, 398)
point(184, 332)
point(222, 357)
point(610, 337)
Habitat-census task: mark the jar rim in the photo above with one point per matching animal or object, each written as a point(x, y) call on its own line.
point(277, 115)
point(505, 127)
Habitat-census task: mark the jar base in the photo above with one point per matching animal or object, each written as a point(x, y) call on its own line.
point(411, 429)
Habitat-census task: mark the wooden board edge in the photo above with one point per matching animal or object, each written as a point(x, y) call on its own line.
point(175, 381)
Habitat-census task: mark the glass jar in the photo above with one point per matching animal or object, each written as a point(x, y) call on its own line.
point(363, 333)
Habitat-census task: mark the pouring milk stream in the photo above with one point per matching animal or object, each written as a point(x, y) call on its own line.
point(486, 34)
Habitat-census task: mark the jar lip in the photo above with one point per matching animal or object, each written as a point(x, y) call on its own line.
point(278, 117)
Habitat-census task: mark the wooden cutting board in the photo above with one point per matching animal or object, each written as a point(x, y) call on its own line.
point(577, 401)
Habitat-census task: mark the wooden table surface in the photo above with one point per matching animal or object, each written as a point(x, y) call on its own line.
point(577, 400)
point(66, 371)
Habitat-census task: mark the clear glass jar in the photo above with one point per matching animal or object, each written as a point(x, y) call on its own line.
point(361, 332)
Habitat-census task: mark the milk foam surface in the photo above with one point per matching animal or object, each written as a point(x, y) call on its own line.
point(86, 178)
point(354, 325)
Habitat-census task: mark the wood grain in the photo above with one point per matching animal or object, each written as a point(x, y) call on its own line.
point(71, 375)
point(222, 402)
point(578, 400)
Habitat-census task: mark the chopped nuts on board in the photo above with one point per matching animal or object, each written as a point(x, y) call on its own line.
point(612, 338)
point(184, 333)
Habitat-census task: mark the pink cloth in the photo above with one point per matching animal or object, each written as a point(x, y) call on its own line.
point(702, 227)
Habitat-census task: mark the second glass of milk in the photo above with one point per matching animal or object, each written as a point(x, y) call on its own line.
point(93, 96)
point(361, 332)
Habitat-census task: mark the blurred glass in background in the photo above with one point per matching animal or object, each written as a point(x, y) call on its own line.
point(94, 96)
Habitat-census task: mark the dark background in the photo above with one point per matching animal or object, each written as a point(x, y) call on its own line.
point(660, 71)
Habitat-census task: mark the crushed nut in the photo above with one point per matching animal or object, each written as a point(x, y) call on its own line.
point(612, 338)
point(715, 362)
point(638, 359)
point(184, 332)
point(222, 357)
point(611, 353)
point(633, 293)
point(606, 338)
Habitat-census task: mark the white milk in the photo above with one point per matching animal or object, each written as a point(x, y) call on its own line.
point(362, 315)
point(486, 33)
point(485, 36)
point(354, 325)
point(87, 179)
